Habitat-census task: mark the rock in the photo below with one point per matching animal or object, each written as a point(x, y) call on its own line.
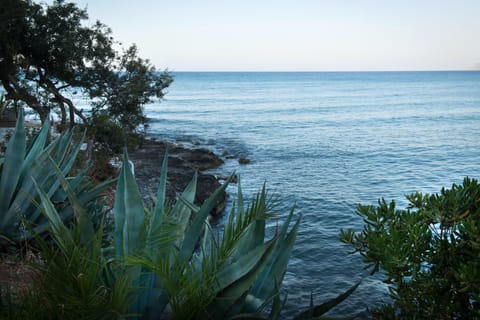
point(243, 160)
point(234, 178)
point(182, 164)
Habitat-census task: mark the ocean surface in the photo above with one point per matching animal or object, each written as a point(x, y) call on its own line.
point(326, 142)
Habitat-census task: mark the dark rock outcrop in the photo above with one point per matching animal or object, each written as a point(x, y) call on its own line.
point(182, 164)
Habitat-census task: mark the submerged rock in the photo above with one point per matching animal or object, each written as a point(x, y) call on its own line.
point(243, 160)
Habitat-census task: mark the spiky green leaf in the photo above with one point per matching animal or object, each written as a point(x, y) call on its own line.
point(128, 213)
point(317, 311)
point(11, 170)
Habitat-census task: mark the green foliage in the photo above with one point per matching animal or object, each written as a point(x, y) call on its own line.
point(430, 252)
point(110, 137)
point(21, 165)
point(166, 235)
point(74, 279)
point(238, 274)
point(162, 255)
point(48, 55)
point(127, 91)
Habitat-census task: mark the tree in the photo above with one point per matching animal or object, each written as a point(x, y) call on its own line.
point(47, 55)
point(430, 253)
point(127, 91)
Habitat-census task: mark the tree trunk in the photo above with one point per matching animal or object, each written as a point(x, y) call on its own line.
point(43, 112)
point(72, 114)
point(64, 115)
point(63, 100)
point(17, 93)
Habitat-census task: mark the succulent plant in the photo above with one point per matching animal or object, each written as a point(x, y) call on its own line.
point(167, 235)
point(74, 277)
point(20, 166)
point(168, 255)
point(237, 274)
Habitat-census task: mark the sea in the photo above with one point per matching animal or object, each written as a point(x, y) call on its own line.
point(324, 142)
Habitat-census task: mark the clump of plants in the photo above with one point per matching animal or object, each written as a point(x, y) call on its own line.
point(163, 256)
point(74, 279)
point(429, 252)
point(175, 258)
point(24, 165)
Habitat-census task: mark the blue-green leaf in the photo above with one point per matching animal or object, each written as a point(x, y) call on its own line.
point(129, 213)
point(11, 171)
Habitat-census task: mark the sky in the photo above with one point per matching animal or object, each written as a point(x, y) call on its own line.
point(297, 35)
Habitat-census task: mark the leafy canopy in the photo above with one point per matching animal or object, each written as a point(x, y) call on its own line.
point(48, 54)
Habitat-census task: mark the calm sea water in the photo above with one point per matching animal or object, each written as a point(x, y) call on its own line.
point(327, 142)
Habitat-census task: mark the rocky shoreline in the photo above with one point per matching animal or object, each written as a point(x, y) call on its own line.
point(182, 164)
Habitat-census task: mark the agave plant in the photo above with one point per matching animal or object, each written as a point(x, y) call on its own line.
point(238, 274)
point(164, 234)
point(21, 165)
point(74, 279)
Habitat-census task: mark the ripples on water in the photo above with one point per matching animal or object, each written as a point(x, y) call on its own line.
point(326, 142)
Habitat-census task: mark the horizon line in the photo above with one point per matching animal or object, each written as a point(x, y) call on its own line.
point(323, 71)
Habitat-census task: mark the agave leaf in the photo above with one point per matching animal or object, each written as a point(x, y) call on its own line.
point(157, 216)
point(238, 269)
point(278, 304)
point(58, 148)
point(81, 188)
point(229, 231)
point(181, 213)
point(11, 171)
point(84, 225)
point(129, 213)
point(65, 159)
point(35, 164)
point(235, 279)
point(191, 206)
point(44, 176)
point(69, 157)
point(36, 147)
point(244, 243)
point(259, 208)
point(240, 201)
point(88, 195)
point(174, 225)
point(275, 270)
point(252, 224)
point(43, 172)
point(317, 311)
point(60, 233)
point(65, 166)
point(193, 231)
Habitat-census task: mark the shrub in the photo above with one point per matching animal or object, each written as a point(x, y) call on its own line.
point(430, 252)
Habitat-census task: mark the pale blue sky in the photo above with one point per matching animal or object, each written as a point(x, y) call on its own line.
point(297, 35)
